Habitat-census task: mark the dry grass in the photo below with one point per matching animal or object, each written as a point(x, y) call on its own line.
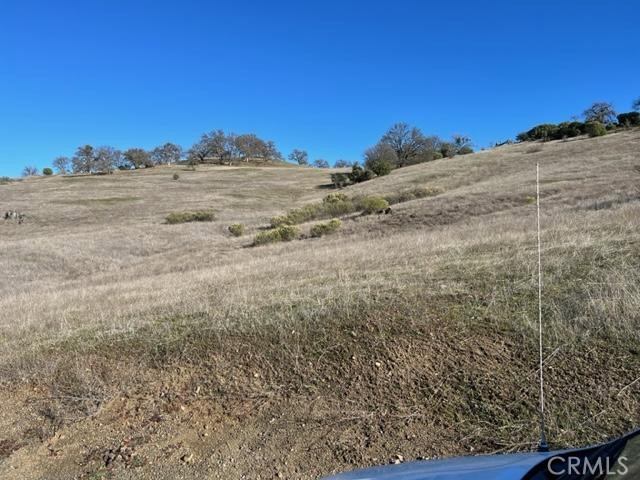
point(94, 271)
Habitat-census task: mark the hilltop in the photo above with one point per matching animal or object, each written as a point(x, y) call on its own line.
point(134, 348)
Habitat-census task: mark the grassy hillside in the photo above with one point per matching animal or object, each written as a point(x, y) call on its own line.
point(133, 348)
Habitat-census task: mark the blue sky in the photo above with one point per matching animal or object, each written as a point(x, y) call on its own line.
point(327, 76)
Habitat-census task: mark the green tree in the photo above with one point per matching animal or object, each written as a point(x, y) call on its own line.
point(47, 171)
point(380, 159)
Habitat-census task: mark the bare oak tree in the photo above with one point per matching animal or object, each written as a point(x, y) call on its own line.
point(301, 157)
point(62, 164)
point(83, 160)
point(138, 158)
point(602, 112)
point(320, 163)
point(106, 159)
point(29, 171)
point(166, 154)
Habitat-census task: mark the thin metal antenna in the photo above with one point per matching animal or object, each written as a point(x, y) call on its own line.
point(542, 446)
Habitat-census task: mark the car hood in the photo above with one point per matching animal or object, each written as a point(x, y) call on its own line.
point(481, 467)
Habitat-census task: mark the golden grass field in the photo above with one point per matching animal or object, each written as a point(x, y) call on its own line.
point(131, 348)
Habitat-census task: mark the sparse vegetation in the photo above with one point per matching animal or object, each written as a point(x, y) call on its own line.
point(176, 176)
point(412, 194)
point(195, 216)
point(338, 204)
point(140, 327)
point(321, 229)
point(236, 229)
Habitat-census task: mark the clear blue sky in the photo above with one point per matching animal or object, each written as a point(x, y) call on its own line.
point(327, 76)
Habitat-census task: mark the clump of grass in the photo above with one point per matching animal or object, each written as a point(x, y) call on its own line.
point(534, 149)
point(237, 229)
point(412, 194)
point(372, 204)
point(195, 216)
point(283, 233)
point(325, 228)
point(176, 176)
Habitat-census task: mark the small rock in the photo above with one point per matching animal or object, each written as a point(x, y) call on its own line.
point(187, 457)
point(397, 459)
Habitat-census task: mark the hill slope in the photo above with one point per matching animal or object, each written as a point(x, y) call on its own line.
point(136, 349)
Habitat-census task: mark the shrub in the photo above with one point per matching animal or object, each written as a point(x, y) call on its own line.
point(596, 129)
point(340, 180)
point(465, 150)
point(334, 198)
point(237, 229)
point(297, 215)
point(436, 155)
point(332, 205)
point(379, 165)
point(359, 174)
point(630, 119)
point(325, 228)
point(283, 233)
point(184, 217)
point(372, 204)
point(47, 171)
point(176, 176)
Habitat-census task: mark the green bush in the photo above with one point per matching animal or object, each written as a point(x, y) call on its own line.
point(465, 150)
point(325, 228)
point(379, 166)
point(237, 229)
point(359, 174)
point(184, 217)
point(630, 119)
point(332, 205)
point(436, 155)
point(596, 129)
point(297, 215)
point(176, 176)
point(283, 233)
point(372, 204)
point(47, 171)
